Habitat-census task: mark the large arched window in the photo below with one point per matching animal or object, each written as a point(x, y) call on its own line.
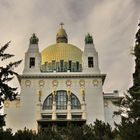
point(61, 101)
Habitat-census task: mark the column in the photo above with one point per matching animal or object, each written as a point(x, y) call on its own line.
point(39, 105)
point(84, 114)
point(54, 106)
point(69, 105)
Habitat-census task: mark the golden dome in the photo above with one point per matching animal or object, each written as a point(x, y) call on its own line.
point(61, 51)
point(61, 57)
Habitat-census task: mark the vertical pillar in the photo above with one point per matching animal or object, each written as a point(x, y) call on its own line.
point(39, 103)
point(54, 86)
point(69, 105)
point(68, 84)
point(54, 105)
point(83, 104)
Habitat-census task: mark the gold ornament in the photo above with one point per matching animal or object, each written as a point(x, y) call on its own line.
point(68, 82)
point(40, 94)
point(17, 103)
point(68, 92)
point(95, 82)
point(41, 83)
point(55, 83)
point(82, 83)
point(6, 104)
point(28, 83)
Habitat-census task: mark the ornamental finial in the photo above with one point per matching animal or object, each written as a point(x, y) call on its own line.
point(61, 24)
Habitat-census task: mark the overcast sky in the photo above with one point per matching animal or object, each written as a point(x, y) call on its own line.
point(113, 24)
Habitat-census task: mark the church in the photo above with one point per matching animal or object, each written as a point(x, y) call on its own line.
point(60, 85)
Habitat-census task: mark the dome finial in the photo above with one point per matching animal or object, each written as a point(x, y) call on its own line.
point(61, 24)
point(61, 36)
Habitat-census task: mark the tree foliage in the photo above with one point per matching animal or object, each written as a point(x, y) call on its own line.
point(98, 131)
point(7, 74)
point(130, 105)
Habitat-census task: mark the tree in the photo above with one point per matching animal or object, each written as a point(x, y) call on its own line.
point(130, 105)
point(103, 131)
point(6, 135)
point(98, 131)
point(7, 74)
point(48, 134)
point(25, 134)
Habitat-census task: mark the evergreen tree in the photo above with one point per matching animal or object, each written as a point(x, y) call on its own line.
point(6, 135)
point(103, 131)
point(6, 75)
point(48, 134)
point(130, 105)
point(25, 134)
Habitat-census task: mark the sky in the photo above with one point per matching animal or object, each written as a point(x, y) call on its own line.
point(112, 23)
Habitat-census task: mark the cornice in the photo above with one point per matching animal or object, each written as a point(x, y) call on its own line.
point(62, 76)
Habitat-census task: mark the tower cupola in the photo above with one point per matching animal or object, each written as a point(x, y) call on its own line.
point(61, 36)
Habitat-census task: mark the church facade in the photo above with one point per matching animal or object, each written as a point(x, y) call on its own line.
point(60, 85)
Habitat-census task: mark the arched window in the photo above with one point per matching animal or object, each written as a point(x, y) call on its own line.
point(61, 101)
point(75, 103)
point(48, 102)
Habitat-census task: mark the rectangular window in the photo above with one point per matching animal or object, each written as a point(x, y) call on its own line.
point(53, 65)
point(77, 66)
point(47, 116)
point(90, 62)
point(70, 63)
point(76, 116)
point(61, 65)
point(32, 62)
point(61, 116)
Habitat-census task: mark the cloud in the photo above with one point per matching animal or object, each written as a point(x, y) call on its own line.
point(112, 23)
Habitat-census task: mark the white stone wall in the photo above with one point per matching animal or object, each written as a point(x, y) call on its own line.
point(94, 100)
point(29, 104)
point(89, 51)
point(93, 95)
point(33, 51)
point(27, 112)
point(13, 115)
point(109, 110)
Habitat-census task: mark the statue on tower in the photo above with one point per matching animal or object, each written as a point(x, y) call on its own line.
point(88, 39)
point(34, 39)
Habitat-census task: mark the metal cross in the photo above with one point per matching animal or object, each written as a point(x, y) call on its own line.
point(61, 24)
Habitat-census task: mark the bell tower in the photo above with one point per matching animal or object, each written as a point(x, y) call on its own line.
point(90, 56)
point(32, 57)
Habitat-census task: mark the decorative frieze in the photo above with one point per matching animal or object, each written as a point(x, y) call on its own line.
point(41, 83)
point(27, 83)
point(95, 82)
